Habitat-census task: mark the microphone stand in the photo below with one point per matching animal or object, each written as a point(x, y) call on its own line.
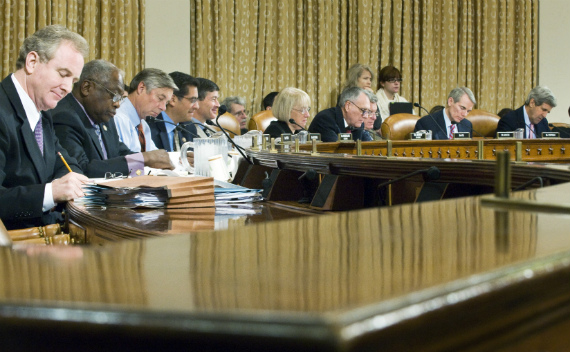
point(239, 149)
point(291, 121)
point(417, 105)
point(178, 127)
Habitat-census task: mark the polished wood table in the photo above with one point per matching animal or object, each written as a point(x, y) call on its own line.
point(451, 275)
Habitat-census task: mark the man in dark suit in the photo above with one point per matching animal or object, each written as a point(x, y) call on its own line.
point(173, 127)
point(532, 115)
point(33, 178)
point(451, 119)
point(82, 122)
point(354, 107)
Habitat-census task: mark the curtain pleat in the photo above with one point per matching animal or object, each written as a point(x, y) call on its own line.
point(255, 47)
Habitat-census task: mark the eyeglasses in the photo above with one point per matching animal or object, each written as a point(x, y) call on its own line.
point(117, 98)
point(394, 80)
point(365, 112)
point(303, 110)
point(243, 112)
point(192, 100)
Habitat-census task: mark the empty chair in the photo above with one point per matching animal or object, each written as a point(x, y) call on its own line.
point(261, 120)
point(399, 126)
point(484, 123)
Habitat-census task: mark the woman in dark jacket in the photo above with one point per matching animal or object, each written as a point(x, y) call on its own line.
point(290, 104)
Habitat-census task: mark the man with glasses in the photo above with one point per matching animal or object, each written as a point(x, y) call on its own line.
point(451, 119)
point(170, 129)
point(149, 92)
point(236, 107)
point(83, 124)
point(347, 117)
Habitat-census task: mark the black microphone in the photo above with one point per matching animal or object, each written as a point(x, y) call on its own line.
point(558, 129)
point(201, 125)
point(222, 110)
point(533, 130)
point(239, 148)
point(295, 123)
point(417, 105)
point(431, 174)
point(178, 127)
point(530, 182)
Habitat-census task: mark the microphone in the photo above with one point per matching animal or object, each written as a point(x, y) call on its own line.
point(530, 182)
point(178, 127)
point(222, 110)
point(417, 105)
point(558, 129)
point(291, 121)
point(202, 125)
point(431, 174)
point(533, 130)
point(239, 148)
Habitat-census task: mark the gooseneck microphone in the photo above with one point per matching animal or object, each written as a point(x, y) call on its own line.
point(178, 127)
point(291, 121)
point(239, 148)
point(430, 174)
point(558, 129)
point(417, 105)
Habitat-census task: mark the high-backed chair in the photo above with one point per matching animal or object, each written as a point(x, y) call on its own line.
point(230, 123)
point(399, 126)
point(261, 120)
point(484, 122)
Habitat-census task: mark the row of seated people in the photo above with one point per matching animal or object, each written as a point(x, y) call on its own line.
point(457, 116)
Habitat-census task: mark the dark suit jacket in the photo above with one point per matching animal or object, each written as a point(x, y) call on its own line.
point(24, 172)
point(160, 135)
point(437, 125)
point(276, 128)
point(515, 119)
point(77, 135)
point(330, 122)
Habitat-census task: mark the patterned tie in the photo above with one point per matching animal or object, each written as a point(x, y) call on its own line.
point(451, 130)
point(532, 133)
point(142, 140)
point(98, 131)
point(38, 133)
point(176, 140)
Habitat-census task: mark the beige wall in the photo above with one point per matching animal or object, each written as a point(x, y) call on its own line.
point(554, 54)
point(167, 35)
point(168, 45)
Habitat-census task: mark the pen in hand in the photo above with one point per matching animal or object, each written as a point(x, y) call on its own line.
point(65, 162)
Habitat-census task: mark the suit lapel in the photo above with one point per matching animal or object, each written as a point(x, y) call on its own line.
point(28, 137)
point(86, 123)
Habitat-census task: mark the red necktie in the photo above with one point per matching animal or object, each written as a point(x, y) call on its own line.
point(142, 140)
point(451, 130)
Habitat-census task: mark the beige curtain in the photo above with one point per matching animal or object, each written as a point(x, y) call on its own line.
point(252, 48)
point(114, 29)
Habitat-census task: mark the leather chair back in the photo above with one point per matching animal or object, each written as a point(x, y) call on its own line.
point(261, 120)
point(483, 122)
point(230, 123)
point(399, 126)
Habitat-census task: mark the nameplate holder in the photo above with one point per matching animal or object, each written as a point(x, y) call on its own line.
point(286, 138)
point(461, 135)
point(286, 148)
point(418, 135)
point(550, 134)
point(345, 137)
point(315, 137)
point(505, 135)
point(267, 138)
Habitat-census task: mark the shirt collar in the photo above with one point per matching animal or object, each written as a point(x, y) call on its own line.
point(85, 111)
point(169, 127)
point(128, 109)
point(32, 112)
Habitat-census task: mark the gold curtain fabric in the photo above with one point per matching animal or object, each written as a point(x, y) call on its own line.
point(114, 29)
point(252, 48)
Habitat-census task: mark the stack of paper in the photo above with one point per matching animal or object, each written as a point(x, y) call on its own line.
point(151, 192)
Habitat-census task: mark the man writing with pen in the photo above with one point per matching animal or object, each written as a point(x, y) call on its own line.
point(33, 178)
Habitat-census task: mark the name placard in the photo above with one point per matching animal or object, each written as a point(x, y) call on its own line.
point(461, 135)
point(315, 137)
point(505, 135)
point(418, 135)
point(286, 138)
point(550, 134)
point(344, 137)
point(267, 138)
